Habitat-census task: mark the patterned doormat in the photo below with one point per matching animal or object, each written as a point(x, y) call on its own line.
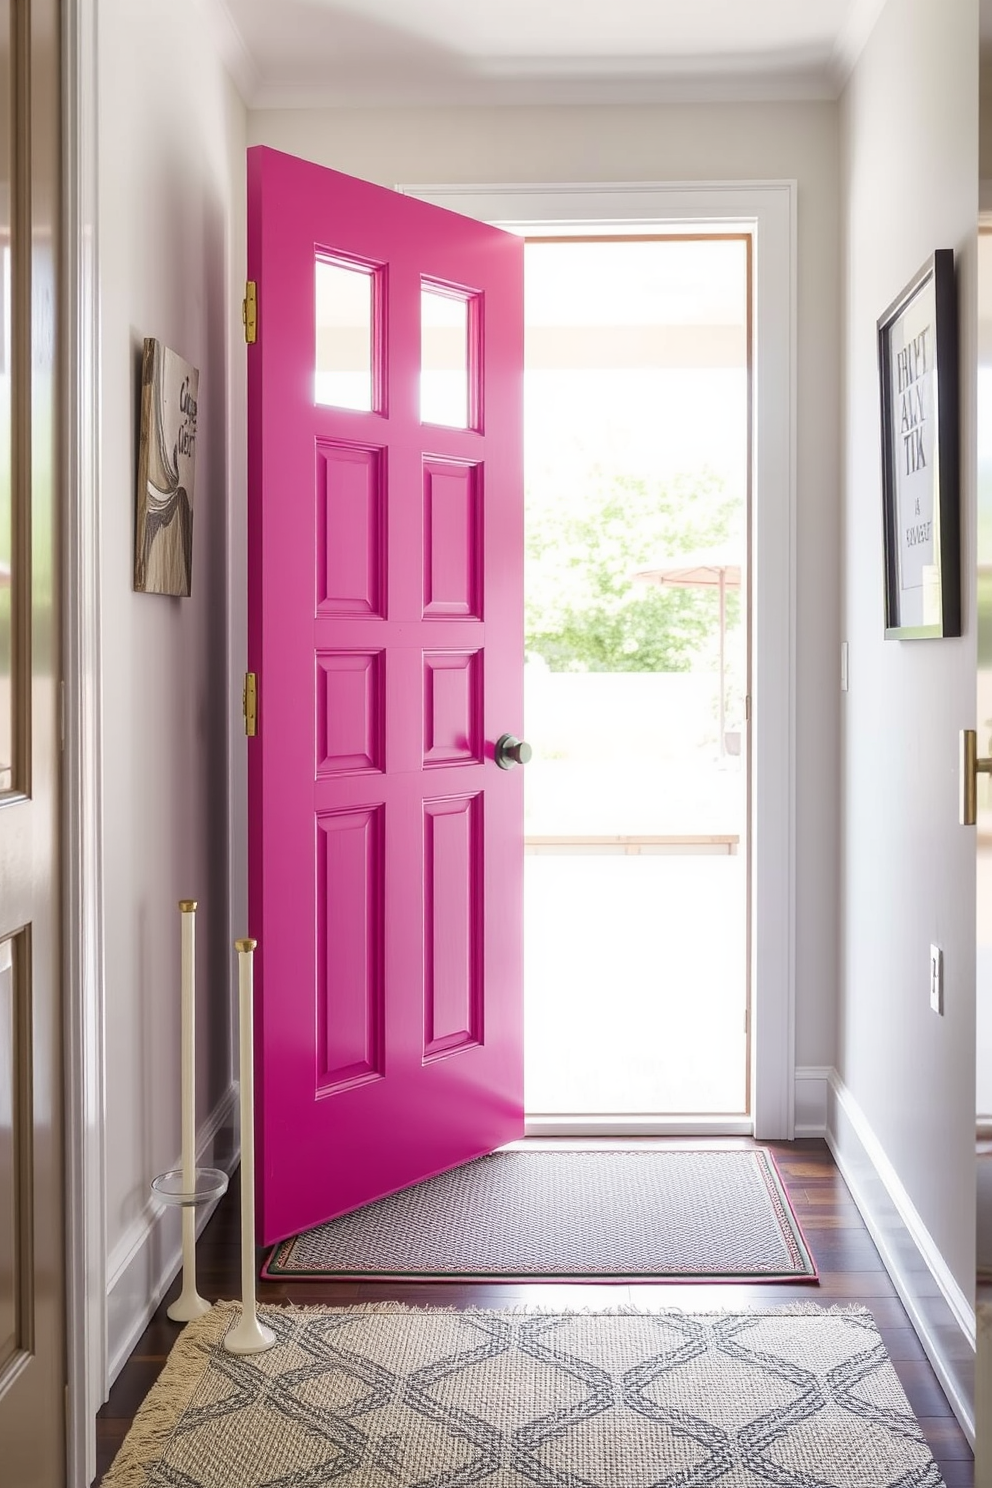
point(802, 1397)
point(649, 1215)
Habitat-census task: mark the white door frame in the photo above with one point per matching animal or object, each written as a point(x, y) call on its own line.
point(768, 210)
point(82, 772)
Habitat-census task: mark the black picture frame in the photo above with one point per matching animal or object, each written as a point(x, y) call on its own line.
point(918, 381)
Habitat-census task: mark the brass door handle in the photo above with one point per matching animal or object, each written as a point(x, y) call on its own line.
point(970, 769)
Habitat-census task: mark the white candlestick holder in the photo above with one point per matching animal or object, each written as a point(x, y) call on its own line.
point(249, 1336)
point(189, 1186)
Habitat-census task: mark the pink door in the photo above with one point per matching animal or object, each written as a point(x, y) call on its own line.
point(386, 631)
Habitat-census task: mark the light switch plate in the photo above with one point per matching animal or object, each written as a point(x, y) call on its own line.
point(937, 979)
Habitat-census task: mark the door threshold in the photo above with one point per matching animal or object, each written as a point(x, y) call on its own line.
point(626, 1125)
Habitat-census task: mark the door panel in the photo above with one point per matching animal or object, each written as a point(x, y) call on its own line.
point(385, 626)
point(350, 1001)
point(16, 1277)
point(350, 531)
point(32, 1368)
point(454, 986)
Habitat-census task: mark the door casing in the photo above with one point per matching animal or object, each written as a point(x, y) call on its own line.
point(82, 846)
point(767, 209)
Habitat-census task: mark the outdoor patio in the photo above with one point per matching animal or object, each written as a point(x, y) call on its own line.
point(635, 884)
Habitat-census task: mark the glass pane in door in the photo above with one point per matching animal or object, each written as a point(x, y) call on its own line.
point(345, 300)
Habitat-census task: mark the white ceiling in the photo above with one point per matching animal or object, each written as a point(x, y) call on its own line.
point(312, 53)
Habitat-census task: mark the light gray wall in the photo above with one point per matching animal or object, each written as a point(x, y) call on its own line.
point(680, 142)
point(983, 988)
point(171, 164)
point(983, 711)
point(909, 136)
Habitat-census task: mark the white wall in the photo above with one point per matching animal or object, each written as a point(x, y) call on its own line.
point(171, 213)
point(909, 120)
point(679, 142)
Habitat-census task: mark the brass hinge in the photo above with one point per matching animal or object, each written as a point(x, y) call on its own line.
point(250, 704)
point(747, 708)
point(249, 312)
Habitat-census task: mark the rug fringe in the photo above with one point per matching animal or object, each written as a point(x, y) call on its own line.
point(624, 1309)
point(148, 1437)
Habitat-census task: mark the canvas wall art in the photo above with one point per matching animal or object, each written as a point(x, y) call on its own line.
point(163, 528)
point(918, 365)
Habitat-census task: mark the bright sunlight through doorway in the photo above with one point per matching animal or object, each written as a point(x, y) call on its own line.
point(636, 463)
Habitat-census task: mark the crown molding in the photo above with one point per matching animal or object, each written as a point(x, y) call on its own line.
point(233, 50)
point(810, 85)
point(559, 82)
point(861, 22)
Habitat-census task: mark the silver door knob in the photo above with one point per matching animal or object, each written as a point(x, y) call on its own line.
point(512, 751)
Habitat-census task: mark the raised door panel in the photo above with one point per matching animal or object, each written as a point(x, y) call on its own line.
point(351, 530)
point(453, 538)
point(454, 969)
point(16, 1253)
point(350, 988)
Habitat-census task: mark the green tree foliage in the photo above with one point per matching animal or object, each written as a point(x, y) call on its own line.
point(584, 612)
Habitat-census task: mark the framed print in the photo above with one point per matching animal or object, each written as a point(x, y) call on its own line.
point(163, 526)
point(918, 374)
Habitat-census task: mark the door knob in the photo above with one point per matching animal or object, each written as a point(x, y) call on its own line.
point(970, 769)
point(512, 751)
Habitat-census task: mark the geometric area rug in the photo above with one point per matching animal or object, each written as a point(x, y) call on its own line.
point(644, 1215)
point(798, 1397)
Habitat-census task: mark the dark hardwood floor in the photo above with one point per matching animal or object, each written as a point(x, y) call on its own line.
point(849, 1265)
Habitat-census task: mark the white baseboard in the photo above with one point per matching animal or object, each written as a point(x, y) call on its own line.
point(147, 1258)
point(983, 1397)
point(563, 1125)
point(812, 1087)
point(943, 1317)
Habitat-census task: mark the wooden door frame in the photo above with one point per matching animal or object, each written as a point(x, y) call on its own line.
point(768, 208)
point(82, 848)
